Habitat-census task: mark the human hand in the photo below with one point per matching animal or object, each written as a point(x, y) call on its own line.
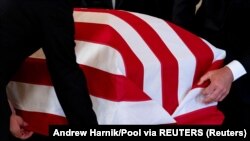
point(220, 84)
point(17, 125)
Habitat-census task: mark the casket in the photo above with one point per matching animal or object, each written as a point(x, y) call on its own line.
point(140, 70)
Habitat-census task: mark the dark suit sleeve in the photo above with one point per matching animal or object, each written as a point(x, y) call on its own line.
point(183, 13)
point(79, 3)
point(99, 3)
point(4, 5)
point(132, 5)
point(157, 8)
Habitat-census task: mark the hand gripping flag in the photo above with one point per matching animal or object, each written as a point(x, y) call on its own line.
point(140, 70)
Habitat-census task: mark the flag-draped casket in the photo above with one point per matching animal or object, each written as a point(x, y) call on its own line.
point(139, 69)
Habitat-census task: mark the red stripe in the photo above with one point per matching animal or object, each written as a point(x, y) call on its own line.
point(104, 34)
point(39, 122)
point(101, 84)
point(33, 71)
point(113, 87)
point(216, 64)
point(206, 116)
point(202, 52)
point(169, 66)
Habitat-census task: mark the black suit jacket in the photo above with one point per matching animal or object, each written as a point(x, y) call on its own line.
point(3, 5)
point(209, 20)
point(4, 108)
point(95, 3)
point(157, 8)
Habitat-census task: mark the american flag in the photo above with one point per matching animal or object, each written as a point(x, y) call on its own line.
point(140, 70)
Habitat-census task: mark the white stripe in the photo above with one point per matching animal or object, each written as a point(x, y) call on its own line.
point(192, 102)
point(152, 67)
point(99, 56)
point(145, 112)
point(38, 98)
point(185, 58)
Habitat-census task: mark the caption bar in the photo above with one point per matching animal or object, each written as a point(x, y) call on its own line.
point(106, 131)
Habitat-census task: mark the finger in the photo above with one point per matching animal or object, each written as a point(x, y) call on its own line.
point(222, 97)
point(203, 79)
point(212, 97)
point(16, 131)
point(26, 134)
point(217, 94)
point(219, 98)
point(208, 90)
point(17, 134)
point(19, 119)
point(208, 99)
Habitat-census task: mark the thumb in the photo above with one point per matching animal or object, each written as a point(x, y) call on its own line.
point(21, 122)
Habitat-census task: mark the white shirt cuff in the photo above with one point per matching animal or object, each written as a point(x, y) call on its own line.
point(237, 69)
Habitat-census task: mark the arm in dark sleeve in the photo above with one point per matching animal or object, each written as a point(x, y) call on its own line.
point(184, 12)
point(98, 3)
point(3, 5)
